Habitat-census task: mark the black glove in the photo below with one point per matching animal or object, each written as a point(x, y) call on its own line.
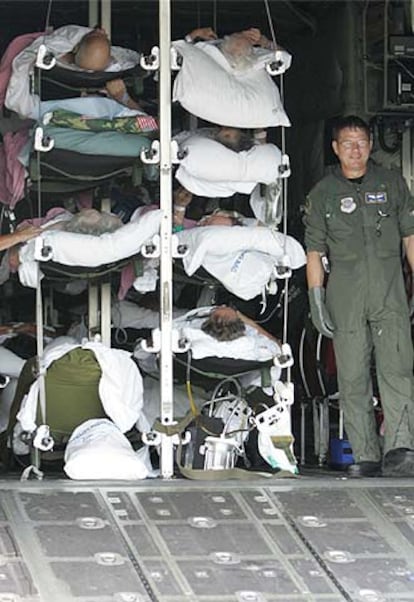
point(319, 314)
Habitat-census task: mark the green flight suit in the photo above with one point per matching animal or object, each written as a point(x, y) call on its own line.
point(360, 228)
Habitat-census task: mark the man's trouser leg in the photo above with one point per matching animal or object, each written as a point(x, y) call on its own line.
point(353, 352)
point(394, 367)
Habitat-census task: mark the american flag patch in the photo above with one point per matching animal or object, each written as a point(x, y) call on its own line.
point(146, 123)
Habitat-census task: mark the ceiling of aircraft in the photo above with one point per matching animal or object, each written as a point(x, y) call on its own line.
point(137, 19)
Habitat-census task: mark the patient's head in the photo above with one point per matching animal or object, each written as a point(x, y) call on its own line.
point(93, 51)
point(237, 49)
point(234, 138)
point(91, 221)
point(224, 324)
point(220, 218)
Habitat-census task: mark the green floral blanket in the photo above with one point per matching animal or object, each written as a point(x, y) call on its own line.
point(137, 124)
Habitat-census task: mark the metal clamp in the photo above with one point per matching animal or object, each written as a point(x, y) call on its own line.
point(176, 59)
point(151, 438)
point(42, 252)
point(151, 155)
point(285, 358)
point(267, 420)
point(152, 249)
point(284, 167)
point(179, 249)
point(282, 268)
point(45, 59)
point(277, 66)
point(43, 439)
point(178, 153)
point(283, 393)
point(42, 142)
point(155, 345)
point(4, 381)
point(180, 344)
point(152, 61)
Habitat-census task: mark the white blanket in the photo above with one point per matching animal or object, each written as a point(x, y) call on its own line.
point(84, 250)
point(120, 387)
point(241, 258)
point(62, 40)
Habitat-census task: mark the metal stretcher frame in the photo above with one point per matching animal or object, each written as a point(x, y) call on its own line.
point(166, 343)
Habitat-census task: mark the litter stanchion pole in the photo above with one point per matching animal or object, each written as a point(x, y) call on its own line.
point(166, 302)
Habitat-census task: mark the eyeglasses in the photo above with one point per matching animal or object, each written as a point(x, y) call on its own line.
point(350, 144)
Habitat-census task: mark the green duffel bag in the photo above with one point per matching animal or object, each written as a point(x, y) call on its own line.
point(72, 393)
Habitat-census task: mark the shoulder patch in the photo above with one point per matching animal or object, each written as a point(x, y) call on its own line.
point(348, 205)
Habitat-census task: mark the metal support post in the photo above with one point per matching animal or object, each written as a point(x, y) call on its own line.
point(93, 16)
point(93, 318)
point(106, 16)
point(166, 358)
point(105, 300)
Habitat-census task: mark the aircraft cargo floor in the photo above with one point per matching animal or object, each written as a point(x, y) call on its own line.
point(319, 537)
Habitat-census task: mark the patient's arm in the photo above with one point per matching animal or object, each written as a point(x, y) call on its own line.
point(259, 329)
point(24, 234)
point(116, 88)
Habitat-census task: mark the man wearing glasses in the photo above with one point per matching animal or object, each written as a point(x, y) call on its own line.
point(358, 220)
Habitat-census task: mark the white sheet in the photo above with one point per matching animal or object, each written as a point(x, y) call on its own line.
point(241, 258)
point(120, 387)
point(69, 248)
point(62, 40)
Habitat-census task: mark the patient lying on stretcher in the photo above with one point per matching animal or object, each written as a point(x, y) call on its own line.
point(227, 324)
point(236, 47)
point(86, 221)
point(93, 53)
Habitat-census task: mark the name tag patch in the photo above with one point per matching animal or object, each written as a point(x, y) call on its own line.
point(375, 198)
point(348, 205)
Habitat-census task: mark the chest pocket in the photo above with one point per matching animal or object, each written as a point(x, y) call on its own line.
point(387, 232)
point(343, 228)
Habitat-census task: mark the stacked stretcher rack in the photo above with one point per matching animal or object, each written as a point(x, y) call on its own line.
point(251, 260)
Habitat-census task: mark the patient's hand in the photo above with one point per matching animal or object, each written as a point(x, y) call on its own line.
point(116, 89)
point(256, 38)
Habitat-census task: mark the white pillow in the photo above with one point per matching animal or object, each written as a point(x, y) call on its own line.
point(71, 248)
point(210, 160)
point(205, 188)
point(241, 99)
point(98, 450)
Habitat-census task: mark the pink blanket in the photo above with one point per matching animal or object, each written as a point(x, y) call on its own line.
point(12, 172)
